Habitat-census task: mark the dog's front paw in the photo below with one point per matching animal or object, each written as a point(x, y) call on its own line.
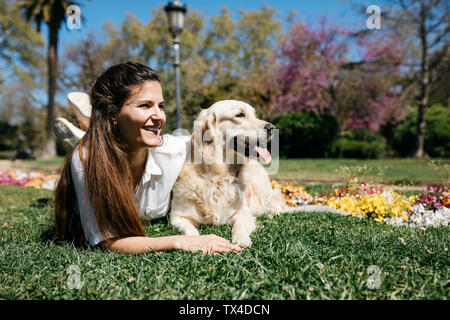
point(242, 241)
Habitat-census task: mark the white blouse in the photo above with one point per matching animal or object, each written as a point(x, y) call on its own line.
point(162, 168)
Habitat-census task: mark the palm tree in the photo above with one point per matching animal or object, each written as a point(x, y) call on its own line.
point(52, 13)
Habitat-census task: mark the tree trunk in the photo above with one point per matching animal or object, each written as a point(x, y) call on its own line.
point(49, 149)
point(424, 83)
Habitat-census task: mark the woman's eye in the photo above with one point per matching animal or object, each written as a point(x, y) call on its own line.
point(240, 115)
point(161, 106)
point(144, 106)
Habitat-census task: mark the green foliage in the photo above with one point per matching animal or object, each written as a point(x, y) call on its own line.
point(306, 134)
point(402, 137)
point(257, 33)
point(437, 132)
point(8, 135)
point(439, 89)
point(346, 148)
point(20, 46)
point(360, 144)
point(52, 13)
point(62, 148)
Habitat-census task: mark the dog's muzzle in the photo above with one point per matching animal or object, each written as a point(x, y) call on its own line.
point(248, 146)
point(269, 133)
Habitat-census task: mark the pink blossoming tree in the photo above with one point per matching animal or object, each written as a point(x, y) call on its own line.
point(329, 69)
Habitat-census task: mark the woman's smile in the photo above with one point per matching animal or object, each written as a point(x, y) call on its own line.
point(153, 130)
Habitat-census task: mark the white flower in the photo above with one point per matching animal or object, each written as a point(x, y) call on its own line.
point(420, 217)
point(387, 194)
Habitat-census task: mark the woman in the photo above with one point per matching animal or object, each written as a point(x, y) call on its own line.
point(123, 170)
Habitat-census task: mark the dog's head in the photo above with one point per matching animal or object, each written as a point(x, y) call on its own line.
point(232, 126)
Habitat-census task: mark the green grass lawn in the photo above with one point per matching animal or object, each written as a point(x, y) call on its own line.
point(387, 171)
point(294, 256)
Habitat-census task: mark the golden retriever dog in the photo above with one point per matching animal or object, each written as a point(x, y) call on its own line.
point(222, 182)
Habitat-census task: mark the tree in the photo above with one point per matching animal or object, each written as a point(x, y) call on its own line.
point(20, 47)
point(440, 77)
point(317, 70)
point(257, 33)
point(52, 13)
point(19, 111)
point(425, 27)
point(88, 57)
point(220, 47)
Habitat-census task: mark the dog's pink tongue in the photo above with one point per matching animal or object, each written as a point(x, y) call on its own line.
point(264, 153)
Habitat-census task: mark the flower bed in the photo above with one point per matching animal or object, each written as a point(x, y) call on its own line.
point(431, 208)
point(32, 179)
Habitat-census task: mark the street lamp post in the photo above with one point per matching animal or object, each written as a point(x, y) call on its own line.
point(175, 14)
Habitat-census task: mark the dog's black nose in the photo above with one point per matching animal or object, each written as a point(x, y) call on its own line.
point(269, 127)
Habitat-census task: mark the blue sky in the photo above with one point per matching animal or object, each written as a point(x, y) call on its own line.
point(97, 12)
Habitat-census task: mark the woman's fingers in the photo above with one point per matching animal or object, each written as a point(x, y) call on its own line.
point(224, 246)
point(226, 242)
point(214, 244)
point(236, 247)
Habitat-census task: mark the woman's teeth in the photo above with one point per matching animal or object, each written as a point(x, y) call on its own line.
point(152, 129)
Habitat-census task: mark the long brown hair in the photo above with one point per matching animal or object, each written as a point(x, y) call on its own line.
point(107, 172)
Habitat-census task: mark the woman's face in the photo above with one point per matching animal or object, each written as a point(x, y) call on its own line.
point(142, 116)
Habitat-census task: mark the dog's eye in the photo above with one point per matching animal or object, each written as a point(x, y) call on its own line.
point(240, 115)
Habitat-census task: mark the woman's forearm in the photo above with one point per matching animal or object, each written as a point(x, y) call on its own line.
point(205, 243)
point(137, 245)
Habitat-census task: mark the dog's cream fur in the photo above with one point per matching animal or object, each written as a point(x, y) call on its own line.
point(214, 192)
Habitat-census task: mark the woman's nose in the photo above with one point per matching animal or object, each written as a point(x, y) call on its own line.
point(157, 113)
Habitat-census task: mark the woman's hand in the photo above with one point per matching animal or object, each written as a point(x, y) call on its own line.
point(207, 244)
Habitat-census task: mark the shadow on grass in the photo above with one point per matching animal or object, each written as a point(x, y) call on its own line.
point(50, 237)
point(41, 203)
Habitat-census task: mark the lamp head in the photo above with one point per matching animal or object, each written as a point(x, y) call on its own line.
point(175, 14)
